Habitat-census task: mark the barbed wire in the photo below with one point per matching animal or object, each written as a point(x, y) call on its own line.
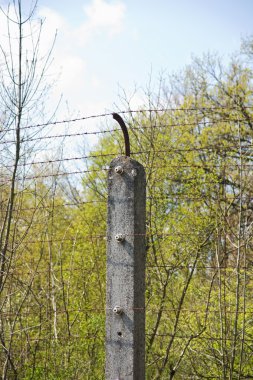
point(91, 237)
point(110, 309)
point(20, 270)
point(58, 339)
point(92, 156)
point(170, 266)
point(143, 111)
point(96, 335)
point(156, 235)
point(171, 197)
point(55, 206)
point(197, 266)
point(131, 128)
point(57, 160)
point(41, 176)
point(173, 267)
point(200, 337)
point(79, 172)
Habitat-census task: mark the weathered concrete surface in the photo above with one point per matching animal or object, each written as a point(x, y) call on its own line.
point(125, 333)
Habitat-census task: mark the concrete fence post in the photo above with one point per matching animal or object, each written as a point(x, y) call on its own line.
point(125, 288)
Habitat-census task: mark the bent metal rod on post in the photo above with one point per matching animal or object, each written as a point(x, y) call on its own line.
point(122, 124)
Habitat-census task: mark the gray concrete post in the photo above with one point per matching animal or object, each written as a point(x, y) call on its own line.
point(125, 286)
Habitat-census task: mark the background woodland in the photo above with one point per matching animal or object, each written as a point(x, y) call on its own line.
point(194, 134)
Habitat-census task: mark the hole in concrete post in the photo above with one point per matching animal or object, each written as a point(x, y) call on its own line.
point(119, 333)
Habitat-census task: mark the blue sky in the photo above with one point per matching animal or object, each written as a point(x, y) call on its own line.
point(103, 45)
point(120, 42)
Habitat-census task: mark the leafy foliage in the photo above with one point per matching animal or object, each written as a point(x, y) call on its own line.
point(197, 153)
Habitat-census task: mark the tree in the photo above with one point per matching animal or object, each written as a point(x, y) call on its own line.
point(198, 162)
point(197, 151)
point(22, 88)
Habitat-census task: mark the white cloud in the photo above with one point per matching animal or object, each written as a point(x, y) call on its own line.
point(77, 78)
point(75, 75)
point(53, 19)
point(72, 68)
point(102, 16)
point(68, 62)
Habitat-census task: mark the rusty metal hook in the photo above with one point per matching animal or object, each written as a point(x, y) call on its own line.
point(125, 132)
